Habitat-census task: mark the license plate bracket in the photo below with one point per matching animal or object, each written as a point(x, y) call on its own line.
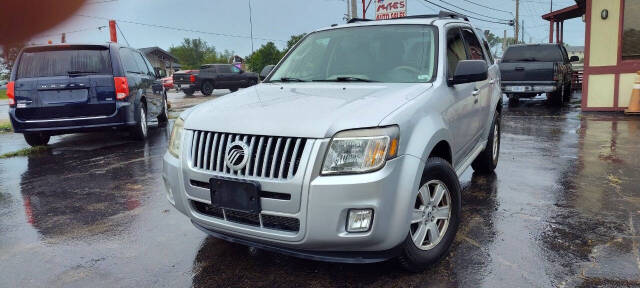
point(233, 194)
point(518, 88)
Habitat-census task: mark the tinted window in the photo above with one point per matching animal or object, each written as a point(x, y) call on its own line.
point(141, 63)
point(224, 69)
point(475, 50)
point(129, 61)
point(488, 50)
point(631, 30)
point(455, 51)
point(542, 53)
point(56, 61)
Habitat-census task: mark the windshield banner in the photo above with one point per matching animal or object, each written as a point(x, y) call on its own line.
point(389, 9)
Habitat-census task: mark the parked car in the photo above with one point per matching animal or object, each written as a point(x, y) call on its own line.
point(534, 69)
point(59, 89)
point(214, 76)
point(3, 84)
point(167, 82)
point(265, 71)
point(350, 151)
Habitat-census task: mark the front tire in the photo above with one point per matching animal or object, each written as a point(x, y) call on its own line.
point(36, 139)
point(435, 215)
point(141, 130)
point(487, 161)
point(164, 115)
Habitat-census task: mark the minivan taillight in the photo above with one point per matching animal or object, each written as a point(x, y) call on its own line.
point(192, 78)
point(122, 87)
point(11, 93)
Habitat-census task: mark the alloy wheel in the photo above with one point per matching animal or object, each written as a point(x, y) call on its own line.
point(496, 140)
point(431, 215)
point(143, 121)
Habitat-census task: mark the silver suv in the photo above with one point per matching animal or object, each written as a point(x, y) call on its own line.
point(351, 149)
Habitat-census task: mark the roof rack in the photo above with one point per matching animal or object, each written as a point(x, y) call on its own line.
point(354, 20)
point(446, 14)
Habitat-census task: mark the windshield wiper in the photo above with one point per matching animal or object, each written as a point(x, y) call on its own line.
point(346, 79)
point(288, 79)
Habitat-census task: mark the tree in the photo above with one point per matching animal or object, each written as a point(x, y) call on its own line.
point(192, 53)
point(293, 41)
point(267, 54)
point(8, 55)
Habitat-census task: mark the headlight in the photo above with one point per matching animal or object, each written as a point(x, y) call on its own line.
point(175, 140)
point(360, 151)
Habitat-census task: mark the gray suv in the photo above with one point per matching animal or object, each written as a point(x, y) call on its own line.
point(351, 149)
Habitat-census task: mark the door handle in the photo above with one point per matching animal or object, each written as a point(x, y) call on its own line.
point(476, 92)
point(493, 81)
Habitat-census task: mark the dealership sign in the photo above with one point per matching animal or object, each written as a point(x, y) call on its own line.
point(389, 9)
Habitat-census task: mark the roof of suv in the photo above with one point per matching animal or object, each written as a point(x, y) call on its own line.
point(444, 16)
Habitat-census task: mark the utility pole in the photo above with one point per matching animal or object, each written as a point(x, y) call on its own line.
point(251, 24)
point(354, 9)
point(504, 41)
point(517, 21)
point(523, 31)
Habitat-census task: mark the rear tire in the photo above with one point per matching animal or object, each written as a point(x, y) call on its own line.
point(36, 139)
point(189, 92)
point(555, 98)
point(207, 88)
point(567, 93)
point(233, 89)
point(141, 130)
point(513, 100)
point(487, 161)
point(431, 249)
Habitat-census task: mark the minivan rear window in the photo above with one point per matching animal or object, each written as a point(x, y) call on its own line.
point(538, 53)
point(63, 61)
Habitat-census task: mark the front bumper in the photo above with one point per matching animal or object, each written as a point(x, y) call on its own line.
point(323, 211)
point(123, 116)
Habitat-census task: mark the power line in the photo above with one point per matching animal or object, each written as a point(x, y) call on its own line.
point(121, 33)
point(491, 8)
point(67, 32)
point(425, 5)
point(450, 10)
point(499, 19)
point(179, 28)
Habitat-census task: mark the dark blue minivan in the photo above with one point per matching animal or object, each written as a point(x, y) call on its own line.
point(60, 89)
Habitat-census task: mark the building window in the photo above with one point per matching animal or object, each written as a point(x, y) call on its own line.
point(631, 30)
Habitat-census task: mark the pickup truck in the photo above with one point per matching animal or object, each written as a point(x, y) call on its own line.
point(531, 70)
point(213, 76)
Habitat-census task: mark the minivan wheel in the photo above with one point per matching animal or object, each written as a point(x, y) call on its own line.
point(487, 160)
point(207, 88)
point(36, 139)
point(435, 215)
point(164, 115)
point(141, 129)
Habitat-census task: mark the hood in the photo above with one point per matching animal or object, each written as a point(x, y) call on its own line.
point(310, 110)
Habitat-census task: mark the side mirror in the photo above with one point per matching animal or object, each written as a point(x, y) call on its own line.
point(469, 71)
point(574, 59)
point(265, 71)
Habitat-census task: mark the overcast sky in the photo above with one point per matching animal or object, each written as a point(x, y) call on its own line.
point(273, 20)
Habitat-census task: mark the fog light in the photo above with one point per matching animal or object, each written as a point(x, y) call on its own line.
point(359, 220)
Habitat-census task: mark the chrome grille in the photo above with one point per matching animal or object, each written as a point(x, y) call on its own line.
point(269, 157)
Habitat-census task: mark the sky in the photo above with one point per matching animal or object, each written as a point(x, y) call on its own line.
point(225, 23)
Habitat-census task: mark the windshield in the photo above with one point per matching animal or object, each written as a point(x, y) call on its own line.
point(541, 53)
point(63, 61)
point(391, 53)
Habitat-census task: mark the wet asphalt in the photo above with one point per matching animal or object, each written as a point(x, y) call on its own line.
point(562, 210)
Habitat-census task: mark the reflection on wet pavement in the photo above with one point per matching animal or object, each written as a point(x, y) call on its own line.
point(562, 209)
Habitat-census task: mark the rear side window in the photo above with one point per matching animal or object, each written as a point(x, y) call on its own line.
point(129, 61)
point(141, 63)
point(540, 53)
point(224, 69)
point(62, 61)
